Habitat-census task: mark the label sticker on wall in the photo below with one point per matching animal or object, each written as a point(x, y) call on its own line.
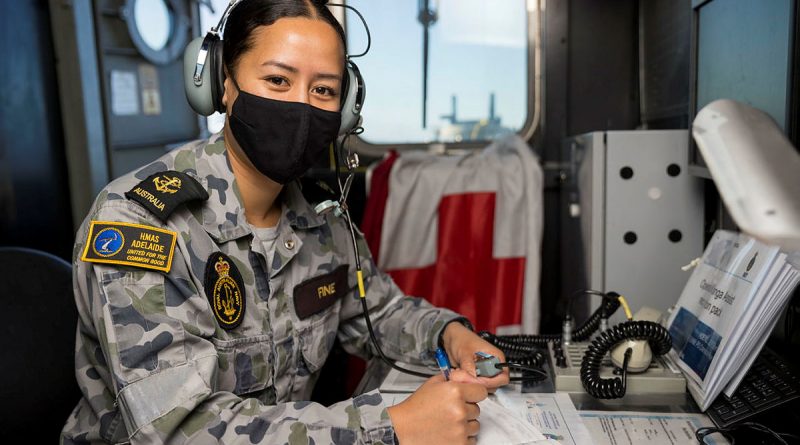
point(124, 93)
point(151, 97)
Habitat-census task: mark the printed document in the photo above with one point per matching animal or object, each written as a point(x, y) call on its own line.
point(636, 428)
point(553, 414)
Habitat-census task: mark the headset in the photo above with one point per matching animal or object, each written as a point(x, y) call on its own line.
point(204, 77)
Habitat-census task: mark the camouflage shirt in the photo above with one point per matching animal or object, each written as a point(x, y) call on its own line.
point(155, 360)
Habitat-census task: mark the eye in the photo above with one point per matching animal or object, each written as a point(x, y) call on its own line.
point(324, 91)
point(277, 81)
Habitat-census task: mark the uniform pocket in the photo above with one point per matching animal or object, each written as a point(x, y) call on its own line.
point(245, 364)
point(317, 337)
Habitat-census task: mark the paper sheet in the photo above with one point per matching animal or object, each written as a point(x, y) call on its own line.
point(635, 428)
point(124, 90)
point(766, 324)
point(397, 381)
point(552, 414)
point(499, 424)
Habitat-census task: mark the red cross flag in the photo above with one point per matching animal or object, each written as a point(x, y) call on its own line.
point(464, 232)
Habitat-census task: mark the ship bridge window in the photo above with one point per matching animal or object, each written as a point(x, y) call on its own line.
point(154, 22)
point(452, 72)
point(158, 28)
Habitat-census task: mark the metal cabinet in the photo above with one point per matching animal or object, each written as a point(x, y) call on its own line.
point(633, 215)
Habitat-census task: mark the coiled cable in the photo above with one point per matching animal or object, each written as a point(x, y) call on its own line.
point(523, 349)
point(656, 335)
point(608, 306)
point(522, 343)
point(516, 351)
point(526, 350)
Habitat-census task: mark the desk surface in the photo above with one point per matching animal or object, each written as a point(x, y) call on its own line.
point(665, 403)
point(656, 403)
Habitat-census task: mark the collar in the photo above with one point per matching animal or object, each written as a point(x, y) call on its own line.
point(223, 216)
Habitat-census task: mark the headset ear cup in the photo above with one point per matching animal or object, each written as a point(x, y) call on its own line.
point(217, 69)
point(200, 97)
point(353, 94)
point(345, 85)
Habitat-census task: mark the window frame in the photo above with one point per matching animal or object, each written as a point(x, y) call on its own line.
point(534, 78)
point(178, 32)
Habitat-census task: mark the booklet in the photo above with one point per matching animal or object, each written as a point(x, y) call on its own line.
point(726, 311)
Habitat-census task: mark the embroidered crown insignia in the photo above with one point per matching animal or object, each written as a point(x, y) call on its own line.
point(222, 267)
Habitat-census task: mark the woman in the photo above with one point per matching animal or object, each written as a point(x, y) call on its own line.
point(210, 292)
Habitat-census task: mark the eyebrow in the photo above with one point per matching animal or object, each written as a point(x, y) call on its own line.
point(280, 65)
point(328, 76)
point(295, 70)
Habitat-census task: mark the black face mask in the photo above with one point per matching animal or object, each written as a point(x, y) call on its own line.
point(282, 139)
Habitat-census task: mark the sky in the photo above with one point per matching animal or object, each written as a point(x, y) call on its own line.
point(476, 47)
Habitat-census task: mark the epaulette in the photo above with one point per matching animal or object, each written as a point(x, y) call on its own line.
point(161, 193)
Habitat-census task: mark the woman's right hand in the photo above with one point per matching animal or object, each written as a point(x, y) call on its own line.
point(440, 411)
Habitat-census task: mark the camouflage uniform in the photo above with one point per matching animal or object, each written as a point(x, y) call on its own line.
point(155, 366)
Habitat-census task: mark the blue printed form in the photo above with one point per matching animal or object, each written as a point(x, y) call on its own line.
point(696, 341)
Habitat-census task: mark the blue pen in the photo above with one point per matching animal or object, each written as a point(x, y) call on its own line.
point(443, 362)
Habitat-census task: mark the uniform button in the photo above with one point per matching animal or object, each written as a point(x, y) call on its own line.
point(289, 244)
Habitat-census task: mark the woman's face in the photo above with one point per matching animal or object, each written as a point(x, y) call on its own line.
point(296, 59)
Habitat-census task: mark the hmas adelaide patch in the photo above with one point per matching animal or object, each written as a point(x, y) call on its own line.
point(129, 244)
point(161, 193)
point(225, 290)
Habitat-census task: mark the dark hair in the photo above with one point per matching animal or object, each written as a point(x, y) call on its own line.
point(248, 15)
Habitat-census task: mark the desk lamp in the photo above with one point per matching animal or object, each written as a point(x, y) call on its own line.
point(756, 170)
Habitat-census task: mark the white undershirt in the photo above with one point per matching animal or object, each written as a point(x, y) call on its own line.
point(266, 236)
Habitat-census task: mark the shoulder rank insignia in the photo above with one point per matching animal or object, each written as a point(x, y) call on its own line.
point(161, 193)
point(225, 290)
point(319, 293)
point(130, 244)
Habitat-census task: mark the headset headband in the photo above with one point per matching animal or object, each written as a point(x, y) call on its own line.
point(216, 31)
point(219, 30)
point(204, 74)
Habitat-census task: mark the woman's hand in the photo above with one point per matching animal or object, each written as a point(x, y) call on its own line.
point(461, 345)
point(440, 411)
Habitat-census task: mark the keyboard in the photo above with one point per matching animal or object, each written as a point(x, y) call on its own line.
point(770, 382)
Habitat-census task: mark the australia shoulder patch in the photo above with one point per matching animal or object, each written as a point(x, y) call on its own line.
point(161, 193)
point(130, 244)
point(225, 290)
